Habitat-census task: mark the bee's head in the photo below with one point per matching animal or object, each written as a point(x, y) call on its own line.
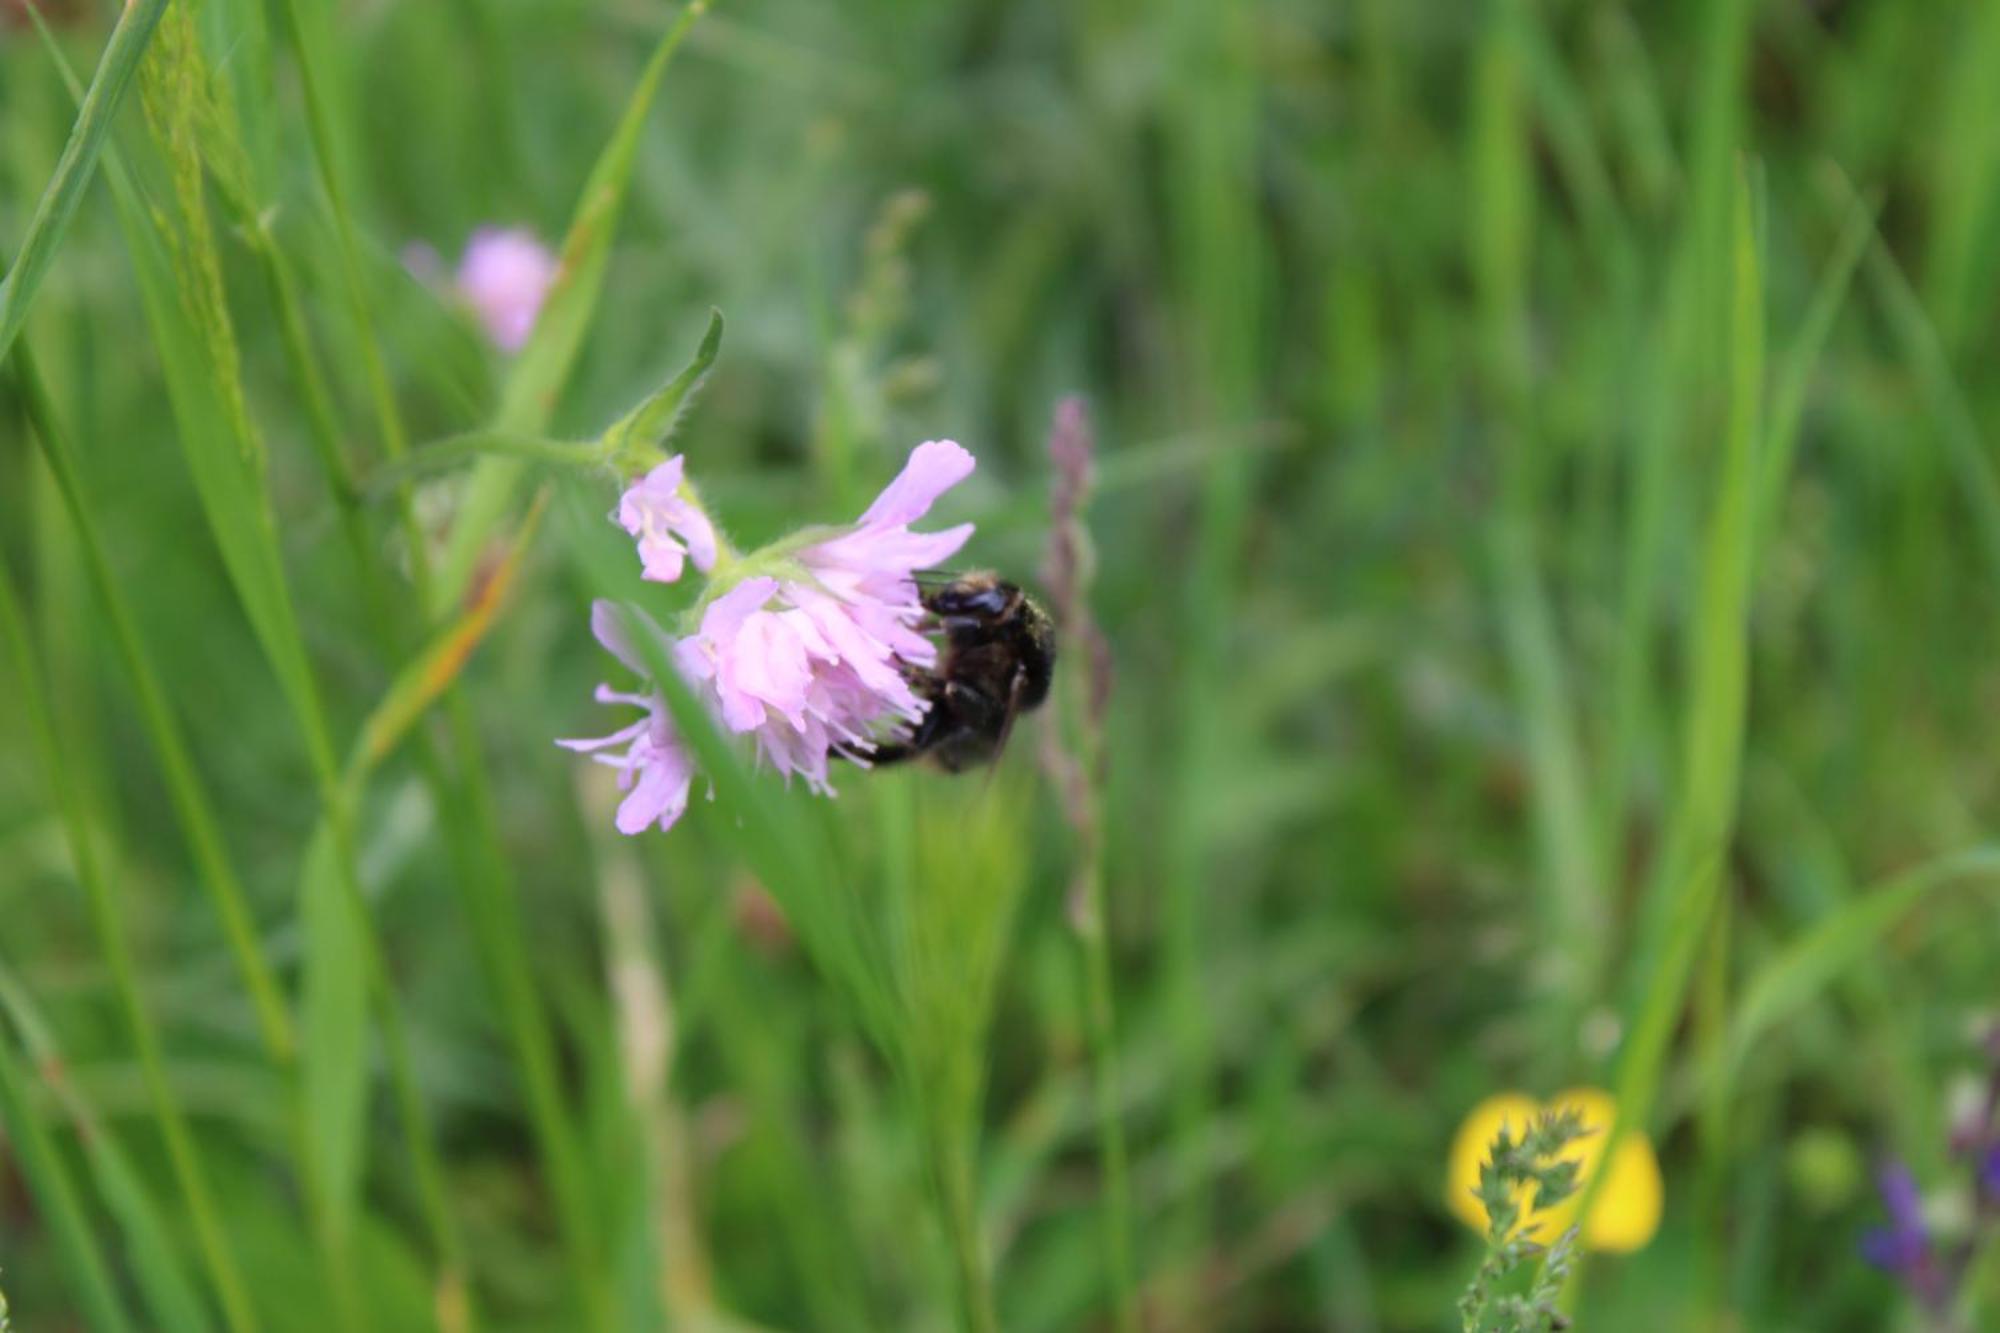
point(983, 595)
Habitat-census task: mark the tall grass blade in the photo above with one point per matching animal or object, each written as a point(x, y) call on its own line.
point(528, 400)
point(58, 204)
point(185, 788)
point(1693, 871)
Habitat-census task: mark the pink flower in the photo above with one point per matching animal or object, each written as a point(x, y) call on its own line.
point(811, 659)
point(655, 768)
point(504, 275)
point(818, 666)
point(669, 526)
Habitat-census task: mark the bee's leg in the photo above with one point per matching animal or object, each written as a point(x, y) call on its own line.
point(925, 733)
point(884, 755)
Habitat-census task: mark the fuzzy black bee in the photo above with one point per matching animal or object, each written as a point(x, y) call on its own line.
point(998, 658)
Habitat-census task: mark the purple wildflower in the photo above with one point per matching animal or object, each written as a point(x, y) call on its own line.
point(1989, 1173)
point(670, 526)
point(1903, 1242)
point(1903, 1247)
point(809, 654)
point(504, 275)
point(816, 665)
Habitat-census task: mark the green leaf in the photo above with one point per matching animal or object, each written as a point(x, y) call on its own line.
point(1803, 968)
point(58, 204)
point(1684, 897)
point(653, 422)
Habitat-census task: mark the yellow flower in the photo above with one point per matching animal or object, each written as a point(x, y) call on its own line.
point(1627, 1210)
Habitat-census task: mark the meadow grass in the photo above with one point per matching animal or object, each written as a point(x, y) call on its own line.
point(1545, 524)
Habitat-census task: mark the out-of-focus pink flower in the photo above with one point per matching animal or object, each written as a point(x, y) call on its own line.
point(670, 526)
point(655, 768)
point(504, 275)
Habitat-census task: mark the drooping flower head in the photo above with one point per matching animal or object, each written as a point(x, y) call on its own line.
point(504, 276)
point(805, 646)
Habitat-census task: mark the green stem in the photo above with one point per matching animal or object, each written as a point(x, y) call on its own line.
point(1115, 1210)
point(87, 139)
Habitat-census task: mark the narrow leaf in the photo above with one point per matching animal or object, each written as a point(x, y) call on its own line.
point(528, 400)
point(59, 200)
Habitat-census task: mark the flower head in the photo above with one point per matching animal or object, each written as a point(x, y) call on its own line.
point(504, 275)
point(817, 664)
point(655, 768)
point(1989, 1173)
point(1627, 1209)
point(669, 525)
point(808, 649)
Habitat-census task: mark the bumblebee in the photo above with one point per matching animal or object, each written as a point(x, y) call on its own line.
point(998, 658)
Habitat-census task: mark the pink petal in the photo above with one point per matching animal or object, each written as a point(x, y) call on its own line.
point(935, 467)
point(698, 533)
point(607, 623)
point(661, 795)
point(665, 479)
point(726, 614)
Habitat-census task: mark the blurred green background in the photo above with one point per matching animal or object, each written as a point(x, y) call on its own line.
point(1546, 530)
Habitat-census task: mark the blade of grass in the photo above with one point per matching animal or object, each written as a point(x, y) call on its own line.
point(55, 1195)
point(1927, 357)
point(434, 670)
point(186, 308)
point(58, 204)
point(205, 437)
point(1212, 145)
point(1800, 971)
point(156, 1264)
point(491, 901)
point(185, 789)
point(1793, 374)
point(1571, 916)
point(528, 399)
point(1689, 888)
point(108, 921)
